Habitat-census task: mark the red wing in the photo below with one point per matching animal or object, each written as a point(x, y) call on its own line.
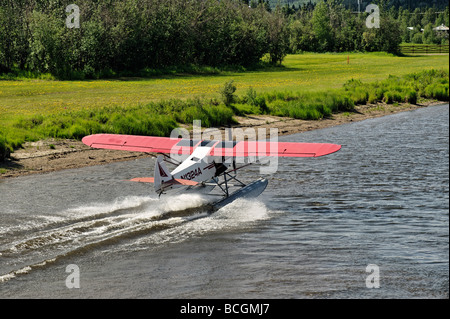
point(279, 149)
point(151, 144)
point(147, 144)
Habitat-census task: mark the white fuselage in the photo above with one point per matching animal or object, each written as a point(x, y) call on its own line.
point(198, 167)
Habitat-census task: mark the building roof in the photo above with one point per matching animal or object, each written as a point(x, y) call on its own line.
point(441, 28)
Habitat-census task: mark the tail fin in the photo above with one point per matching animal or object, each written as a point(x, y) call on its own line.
point(162, 174)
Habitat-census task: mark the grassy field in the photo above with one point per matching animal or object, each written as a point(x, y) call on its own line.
point(26, 103)
point(306, 72)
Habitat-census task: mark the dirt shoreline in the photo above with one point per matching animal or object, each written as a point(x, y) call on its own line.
point(53, 155)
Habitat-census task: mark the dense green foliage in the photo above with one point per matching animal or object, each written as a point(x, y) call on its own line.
point(133, 35)
point(353, 5)
point(421, 23)
point(137, 37)
point(4, 148)
point(332, 26)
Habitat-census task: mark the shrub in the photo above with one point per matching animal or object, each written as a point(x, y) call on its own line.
point(372, 97)
point(189, 114)
point(250, 96)
point(437, 91)
point(352, 84)
point(391, 97)
point(411, 96)
point(359, 95)
point(29, 123)
point(227, 93)
point(242, 109)
point(340, 103)
point(219, 115)
point(299, 110)
point(5, 150)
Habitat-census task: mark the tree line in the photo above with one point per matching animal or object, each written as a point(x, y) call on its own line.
point(131, 35)
point(128, 36)
point(417, 25)
point(355, 5)
point(330, 26)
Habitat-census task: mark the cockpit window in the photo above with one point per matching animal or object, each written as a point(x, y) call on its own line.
point(207, 143)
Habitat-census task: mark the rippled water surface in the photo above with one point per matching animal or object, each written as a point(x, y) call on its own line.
point(382, 200)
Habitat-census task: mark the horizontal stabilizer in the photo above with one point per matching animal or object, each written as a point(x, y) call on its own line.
point(175, 181)
point(143, 180)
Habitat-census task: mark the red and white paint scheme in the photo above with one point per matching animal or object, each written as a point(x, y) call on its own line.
point(206, 161)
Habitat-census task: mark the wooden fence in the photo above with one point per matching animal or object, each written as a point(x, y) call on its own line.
point(424, 49)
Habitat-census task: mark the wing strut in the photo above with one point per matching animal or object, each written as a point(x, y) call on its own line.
point(225, 182)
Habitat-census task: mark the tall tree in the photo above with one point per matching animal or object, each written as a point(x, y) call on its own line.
point(321, 26)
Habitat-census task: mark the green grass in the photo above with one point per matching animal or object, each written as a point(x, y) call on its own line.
point(308, 86)
point(305, 72)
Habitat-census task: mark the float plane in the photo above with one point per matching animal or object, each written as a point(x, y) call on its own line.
point(207, 164)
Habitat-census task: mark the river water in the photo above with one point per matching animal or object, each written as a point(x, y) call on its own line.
point(382, 200)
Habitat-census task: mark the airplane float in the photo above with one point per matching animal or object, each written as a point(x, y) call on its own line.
point(210, 164)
